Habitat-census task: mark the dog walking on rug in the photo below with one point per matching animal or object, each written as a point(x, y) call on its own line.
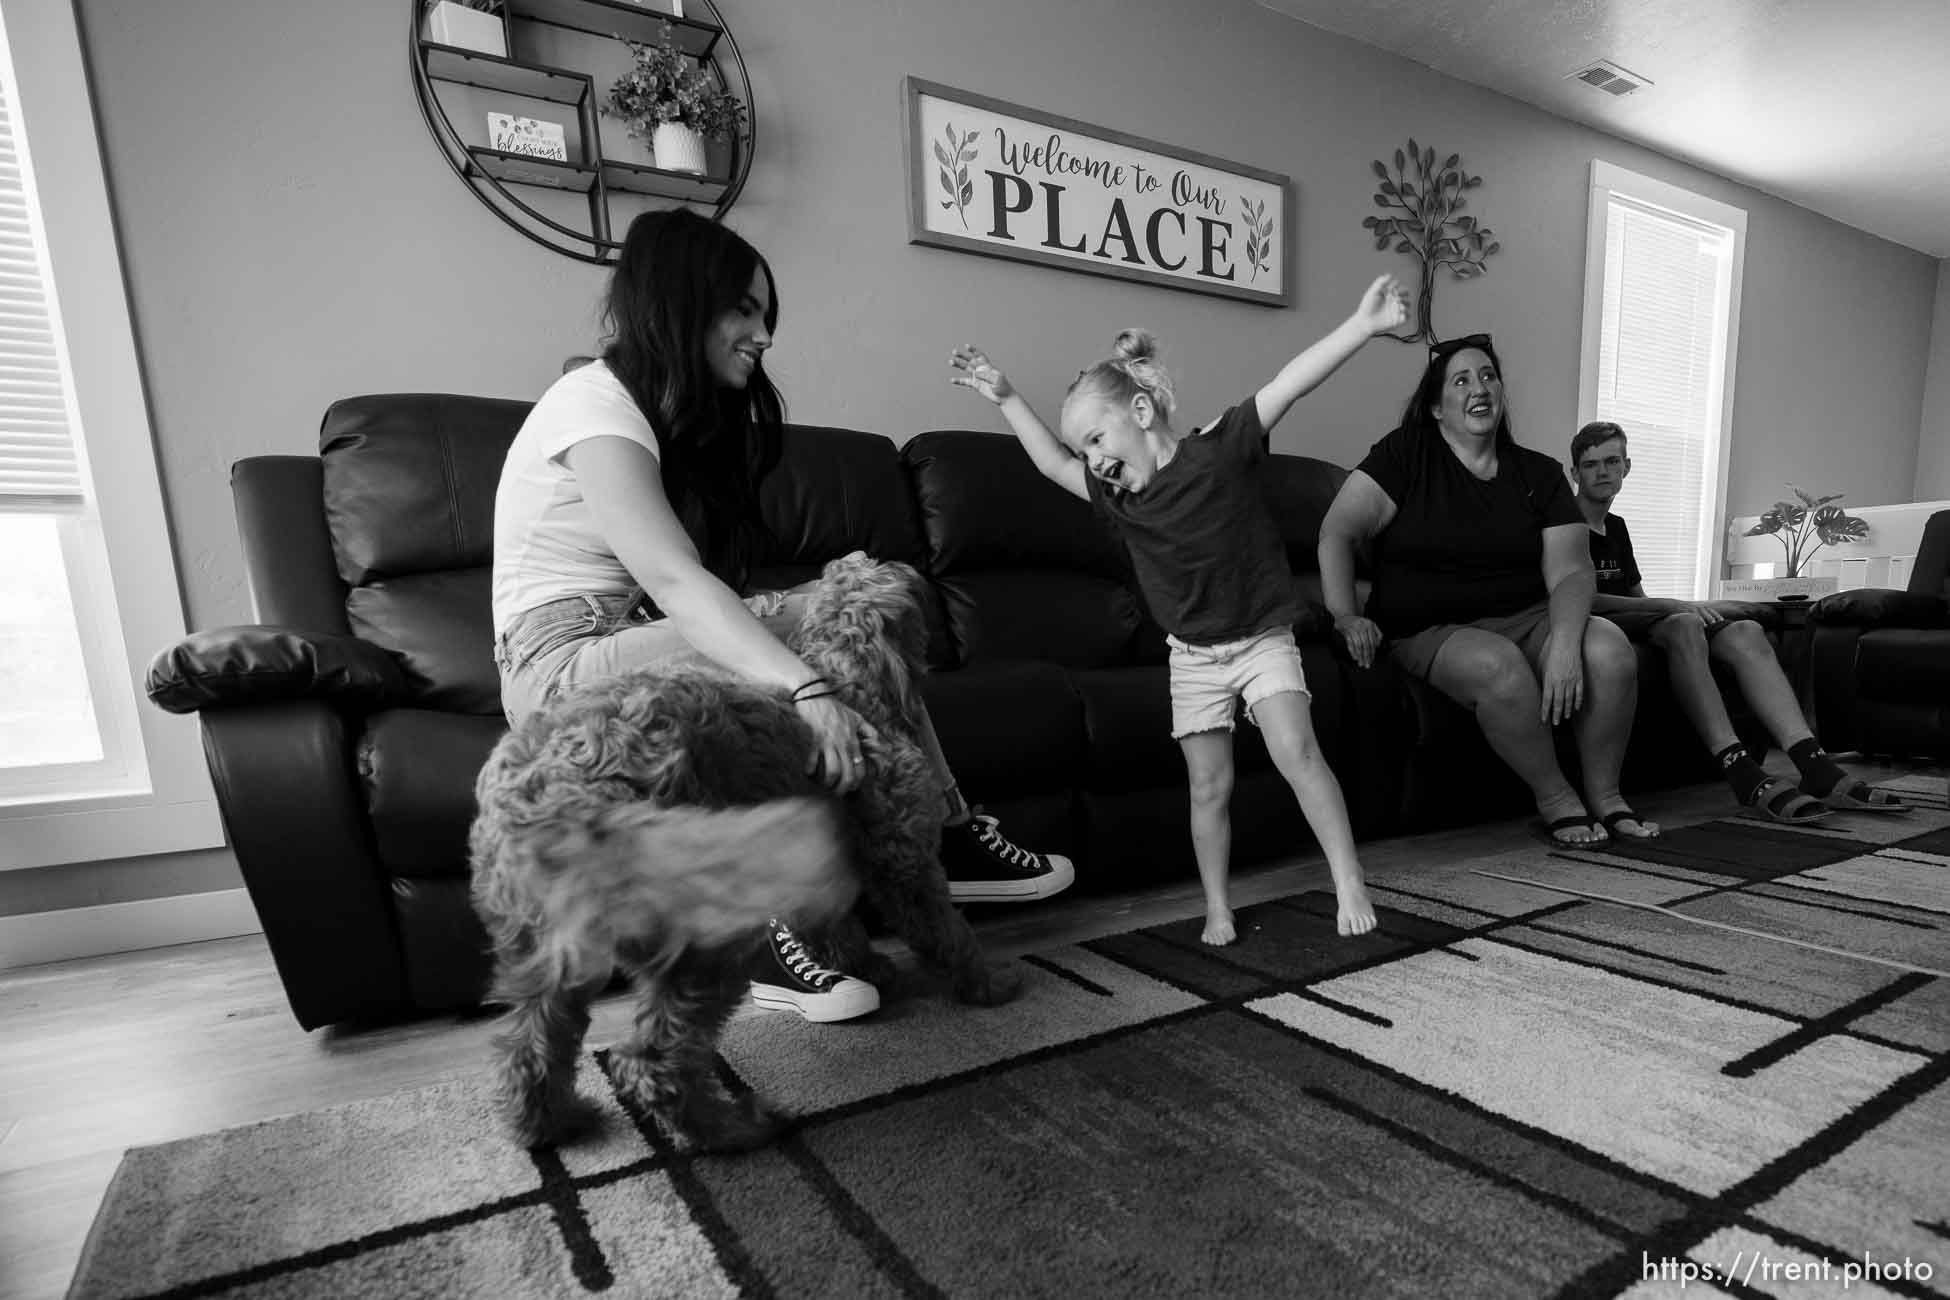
point(655, 822)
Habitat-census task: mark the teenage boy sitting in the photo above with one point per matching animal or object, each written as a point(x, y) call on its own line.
point(1695, 634)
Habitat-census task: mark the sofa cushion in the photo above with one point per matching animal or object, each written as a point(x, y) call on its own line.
point(417, 768)
point(984, 505)
point(409, 480)
point(1010, 729)
point(835, 491)
point(1904, 663)
point(1298, 490)
point(1024, 569)
point(1078, 620)
point(440, 627)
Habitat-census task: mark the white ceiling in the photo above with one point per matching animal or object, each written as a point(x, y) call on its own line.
point(1840, 106)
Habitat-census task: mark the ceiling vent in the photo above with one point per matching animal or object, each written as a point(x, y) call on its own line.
point(1609, 77)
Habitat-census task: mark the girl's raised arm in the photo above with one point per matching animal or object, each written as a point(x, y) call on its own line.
point(980, 375)
point(1383, 307)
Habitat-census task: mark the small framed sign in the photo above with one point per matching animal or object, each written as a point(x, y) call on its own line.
point(1765, 589)
point(1001, 180)
point(527, 135)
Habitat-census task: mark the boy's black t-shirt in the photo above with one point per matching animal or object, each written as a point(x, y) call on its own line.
point(1611, 556)
point(1460, 548)
point(1207, 554)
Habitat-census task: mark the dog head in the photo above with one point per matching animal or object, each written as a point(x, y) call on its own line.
point(863, 630)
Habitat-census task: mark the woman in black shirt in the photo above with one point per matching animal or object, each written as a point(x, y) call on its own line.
point(1482, 586)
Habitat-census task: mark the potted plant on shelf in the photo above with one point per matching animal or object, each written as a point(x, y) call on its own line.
point(672, 104)
point(1803, 526)
point(467, 25)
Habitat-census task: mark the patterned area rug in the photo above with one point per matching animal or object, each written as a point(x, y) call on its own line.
point(1721, 1067)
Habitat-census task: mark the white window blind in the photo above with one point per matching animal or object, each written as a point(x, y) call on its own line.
point(39, 470)
point(1660, 376)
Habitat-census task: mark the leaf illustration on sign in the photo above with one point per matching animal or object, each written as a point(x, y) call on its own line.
point(953, 171)
point(1259, 234)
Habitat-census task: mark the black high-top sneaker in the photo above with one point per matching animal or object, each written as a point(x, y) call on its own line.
point(785, 977)
point(984, 866)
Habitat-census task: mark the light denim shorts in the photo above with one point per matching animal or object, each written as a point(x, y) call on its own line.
point(1208, 681)
point(565, 643)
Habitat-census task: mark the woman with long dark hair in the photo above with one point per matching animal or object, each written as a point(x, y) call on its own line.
point(626, 523)
point(1482, 586)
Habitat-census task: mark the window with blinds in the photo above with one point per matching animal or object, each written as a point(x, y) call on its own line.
point(53, 731)
point(1660, 313)
point(39, 469)
point(89, 588)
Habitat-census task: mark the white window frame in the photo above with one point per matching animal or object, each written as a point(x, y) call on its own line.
point(137, 610)
point(1607, 179)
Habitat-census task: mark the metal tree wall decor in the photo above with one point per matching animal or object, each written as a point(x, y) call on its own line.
point(1424, 206)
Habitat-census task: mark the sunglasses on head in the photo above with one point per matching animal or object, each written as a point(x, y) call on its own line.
point(1449, 347)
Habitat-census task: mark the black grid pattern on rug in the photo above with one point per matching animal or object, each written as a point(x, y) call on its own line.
point(1501, 1092)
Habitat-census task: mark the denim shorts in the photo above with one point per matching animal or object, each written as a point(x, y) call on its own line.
point(577, 639)
point(1208, 681)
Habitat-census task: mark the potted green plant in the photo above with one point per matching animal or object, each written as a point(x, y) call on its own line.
point(671, 103)
point(1803, 526)
point(467, 25)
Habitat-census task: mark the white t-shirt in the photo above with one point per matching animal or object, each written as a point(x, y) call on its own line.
point(546, 545)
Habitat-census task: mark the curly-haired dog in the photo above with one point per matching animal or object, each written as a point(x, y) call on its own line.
point(654, 822)
point(864, 632)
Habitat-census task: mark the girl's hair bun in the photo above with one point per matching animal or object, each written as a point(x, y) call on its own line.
point(1136, 345)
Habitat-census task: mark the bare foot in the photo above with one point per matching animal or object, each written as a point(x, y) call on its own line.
point(1218, 926)
point(1356, 914)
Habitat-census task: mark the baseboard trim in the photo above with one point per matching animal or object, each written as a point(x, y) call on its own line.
point(36, 938)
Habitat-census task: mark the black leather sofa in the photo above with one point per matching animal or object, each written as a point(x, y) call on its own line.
point(1879, 661)
point(345, 729)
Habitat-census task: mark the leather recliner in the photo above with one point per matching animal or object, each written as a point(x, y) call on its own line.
point(1880, 659)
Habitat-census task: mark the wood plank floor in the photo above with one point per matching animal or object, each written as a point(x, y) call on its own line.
point(111, 1052)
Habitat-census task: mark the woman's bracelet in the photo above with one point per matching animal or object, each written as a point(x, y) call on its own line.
point(816, 695)
point(811, 689)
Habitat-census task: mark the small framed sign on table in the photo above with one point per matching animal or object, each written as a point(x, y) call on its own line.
point(994, 178)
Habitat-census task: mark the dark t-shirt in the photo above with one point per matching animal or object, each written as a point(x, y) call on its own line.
point(1460, 548)
point(1611, 556)
point(1202, 542)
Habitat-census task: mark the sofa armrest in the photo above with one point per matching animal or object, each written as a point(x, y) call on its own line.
point(259, 664)
point(286, 782)
point(1880, 607)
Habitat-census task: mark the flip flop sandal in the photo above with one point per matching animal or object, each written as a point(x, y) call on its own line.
point(1778, 801)
point(1611, 819)
point(1548, 833)
point(1860, 796)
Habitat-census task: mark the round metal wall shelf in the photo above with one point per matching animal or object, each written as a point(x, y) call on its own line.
point(555, 52)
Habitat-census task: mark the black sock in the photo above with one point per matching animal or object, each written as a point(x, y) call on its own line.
point(1820, 774)
point(1741, 771)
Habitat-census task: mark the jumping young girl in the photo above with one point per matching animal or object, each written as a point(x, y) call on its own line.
point(1212, 568)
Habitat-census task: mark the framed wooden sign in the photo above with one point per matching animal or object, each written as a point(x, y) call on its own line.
point(1001, 180)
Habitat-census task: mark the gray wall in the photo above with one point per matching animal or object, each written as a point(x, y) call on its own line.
point(291, 237)
point(1933, 444)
